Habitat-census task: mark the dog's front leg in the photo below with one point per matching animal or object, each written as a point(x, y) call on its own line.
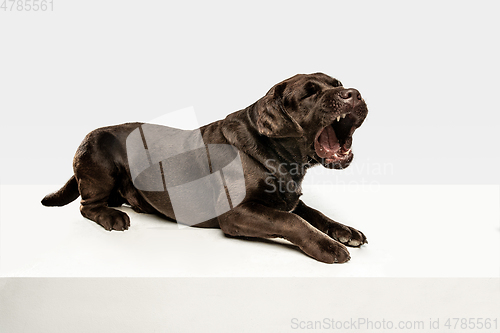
point(342, 233)
point(255, 220)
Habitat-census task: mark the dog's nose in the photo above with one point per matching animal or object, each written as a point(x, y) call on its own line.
point(351, 96)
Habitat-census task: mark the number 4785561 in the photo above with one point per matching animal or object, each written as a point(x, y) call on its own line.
point(471, 323)
point(27, 5)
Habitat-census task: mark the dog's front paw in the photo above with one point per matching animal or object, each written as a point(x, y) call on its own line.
point(346, 235)
point(326, 249)
point(333, 252)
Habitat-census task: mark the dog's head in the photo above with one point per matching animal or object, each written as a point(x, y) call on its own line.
point(318, 109)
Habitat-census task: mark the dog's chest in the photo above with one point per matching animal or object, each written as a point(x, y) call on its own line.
point(283, 191)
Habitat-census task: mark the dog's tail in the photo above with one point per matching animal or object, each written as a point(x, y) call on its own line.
point(64, 196)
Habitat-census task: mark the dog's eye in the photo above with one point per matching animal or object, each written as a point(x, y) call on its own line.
point(310, 88)
point(337, 83)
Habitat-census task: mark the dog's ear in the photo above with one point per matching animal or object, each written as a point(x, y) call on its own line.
point(271, 117)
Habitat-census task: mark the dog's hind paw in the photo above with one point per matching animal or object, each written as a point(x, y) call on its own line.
point(114, 220)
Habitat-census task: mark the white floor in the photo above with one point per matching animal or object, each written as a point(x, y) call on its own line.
point(413, 231)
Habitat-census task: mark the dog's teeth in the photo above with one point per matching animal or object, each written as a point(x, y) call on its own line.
point(338, 118)
point(343, 116)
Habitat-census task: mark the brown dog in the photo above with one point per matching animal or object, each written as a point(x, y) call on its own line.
point(301, 122)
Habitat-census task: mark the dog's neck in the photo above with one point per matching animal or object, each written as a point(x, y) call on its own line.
point(291, 152)
point(240, 132)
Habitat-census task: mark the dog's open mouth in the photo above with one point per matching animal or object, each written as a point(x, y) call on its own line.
point(333, 143)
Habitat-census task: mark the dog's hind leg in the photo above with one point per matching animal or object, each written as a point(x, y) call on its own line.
point(94, 205)
point(97, 176)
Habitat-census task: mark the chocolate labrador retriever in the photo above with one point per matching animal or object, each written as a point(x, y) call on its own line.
point(301, 122)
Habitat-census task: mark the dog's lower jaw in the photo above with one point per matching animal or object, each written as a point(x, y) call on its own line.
point(341, 163)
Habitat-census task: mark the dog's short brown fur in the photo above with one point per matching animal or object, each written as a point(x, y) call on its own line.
point(303, 121)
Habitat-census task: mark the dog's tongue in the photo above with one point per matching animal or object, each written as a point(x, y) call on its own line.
point(327, 143)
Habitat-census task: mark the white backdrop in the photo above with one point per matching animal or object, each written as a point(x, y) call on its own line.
point(428, 71)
